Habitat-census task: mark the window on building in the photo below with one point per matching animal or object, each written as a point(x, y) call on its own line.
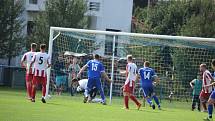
point(33, 1)
point(30, 26)
point(94, 6)
point(109, 43)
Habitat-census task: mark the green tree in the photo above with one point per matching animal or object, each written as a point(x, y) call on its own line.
point(60, 13)
point(11, 26)
point(202, 22)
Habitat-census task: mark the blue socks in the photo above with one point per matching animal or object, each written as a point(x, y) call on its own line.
point(149, 101)
point(156, 100)
point(210, 110)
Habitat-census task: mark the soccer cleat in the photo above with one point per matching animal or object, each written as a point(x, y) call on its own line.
point(124, 108)
point(153, 106)
point(139, 106)
point(159, 107)
point(208, 119)
point(204, 111)
point(85, 99)
point(104, 103)
point(43, 100)
point(33, 100)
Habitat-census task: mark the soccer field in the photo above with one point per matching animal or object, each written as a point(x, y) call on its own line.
point(14, 107)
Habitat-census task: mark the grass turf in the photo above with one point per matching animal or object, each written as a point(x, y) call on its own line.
point(14, 107)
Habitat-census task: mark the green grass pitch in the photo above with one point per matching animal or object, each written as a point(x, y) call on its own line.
point(14, 107)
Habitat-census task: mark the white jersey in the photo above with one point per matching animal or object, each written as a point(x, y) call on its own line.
point(41, 61)
point(131, 73)
point(207, 77)
point(27, 57)
point(83, 84)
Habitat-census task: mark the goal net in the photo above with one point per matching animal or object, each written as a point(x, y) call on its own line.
point(175, 59)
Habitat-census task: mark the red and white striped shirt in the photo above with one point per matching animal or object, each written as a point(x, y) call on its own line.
point(207, 78)
point(41, 61)
point(131, 73)
point(27, 57)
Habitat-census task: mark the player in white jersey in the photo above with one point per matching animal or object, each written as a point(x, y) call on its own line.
point(205, 93)
point(25, 63)
point(41, 61)
point(128, 88)
point(82, 86)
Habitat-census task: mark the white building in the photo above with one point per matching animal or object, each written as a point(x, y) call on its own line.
point(32, 7)
point(110, 15)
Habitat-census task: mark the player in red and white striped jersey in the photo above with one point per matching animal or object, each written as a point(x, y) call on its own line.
point(207, 79)
point(128, 88)
point(41, 61)
point(25, 63)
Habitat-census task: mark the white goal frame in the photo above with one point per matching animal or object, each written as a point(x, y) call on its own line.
point(114, 34)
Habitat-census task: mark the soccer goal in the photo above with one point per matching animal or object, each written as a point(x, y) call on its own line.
point(176, 59)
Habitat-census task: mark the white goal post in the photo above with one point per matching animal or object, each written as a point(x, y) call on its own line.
point(59, 30)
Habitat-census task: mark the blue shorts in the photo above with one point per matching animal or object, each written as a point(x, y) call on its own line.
point(61, 80)
point(148, 91)
point(94, 83)
point(212, 96)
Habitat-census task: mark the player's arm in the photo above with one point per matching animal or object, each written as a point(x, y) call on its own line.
point(49, 62)
point(106, 77)
point(33, 61)
point(23, 60)
point(156, 79)
point(82, 70)
point(192, 83)
point(124, 72)
point(212, 84)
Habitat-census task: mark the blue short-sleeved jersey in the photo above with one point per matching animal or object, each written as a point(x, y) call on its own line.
point(147, 76)
point(94, 69)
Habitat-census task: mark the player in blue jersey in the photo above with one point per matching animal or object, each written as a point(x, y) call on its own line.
point(95, 72)
point(211, 100)
point(148, 80)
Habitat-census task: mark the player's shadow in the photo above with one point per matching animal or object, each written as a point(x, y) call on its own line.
point(57, 104)
point(144, 110)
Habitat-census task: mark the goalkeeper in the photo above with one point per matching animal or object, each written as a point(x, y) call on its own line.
point(82, 87)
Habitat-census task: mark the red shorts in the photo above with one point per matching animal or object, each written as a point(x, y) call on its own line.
point(39, 80)
point(29, 77)
point(128, 88)
point(204, 96)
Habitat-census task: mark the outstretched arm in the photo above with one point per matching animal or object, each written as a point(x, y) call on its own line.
point(106, 77)
point(22, 61)
point(81, 71)
point(191, 84)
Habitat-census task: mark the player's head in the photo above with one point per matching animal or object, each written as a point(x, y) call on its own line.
point(33, 46)
point(146, 64)
point(213, 64)
point(43, 47)
point(96, 56)
point(202, 67)
point(129, 58)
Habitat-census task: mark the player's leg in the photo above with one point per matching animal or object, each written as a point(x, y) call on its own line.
point(34, 87)
point(29, 78)
point(101, 91)
point(211, 102)
point(198, 103)
point(132, 97)
point(155, 97)
point(126, 99)
point(203, 101)
point(146, 95)
point(85, 96)
point(193, 102)
point(43, 82)
point(90, 85)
